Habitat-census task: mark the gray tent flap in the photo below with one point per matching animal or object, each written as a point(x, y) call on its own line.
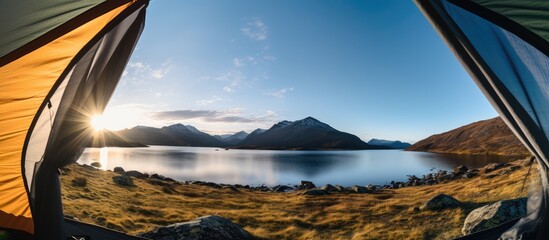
point(509, 62)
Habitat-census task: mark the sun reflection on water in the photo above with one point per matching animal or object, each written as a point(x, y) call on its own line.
point(104, 157)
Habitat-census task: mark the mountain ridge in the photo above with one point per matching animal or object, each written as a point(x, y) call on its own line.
point(487, 137)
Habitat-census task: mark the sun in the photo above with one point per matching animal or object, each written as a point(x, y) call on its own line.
point(98, 122)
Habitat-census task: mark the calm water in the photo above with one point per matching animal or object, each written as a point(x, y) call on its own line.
point(255, 167)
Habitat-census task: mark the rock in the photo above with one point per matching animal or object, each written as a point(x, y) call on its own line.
point(492, 167)
point(306, 185)
point(469, 174)
point(119, 170)
point(135, 174)
point(315, 192)
point(123, 180)
point(203, 228)
point(371, 187)
point(329, 188)
point(441, 201)
point(282, 188)
point(212, 184)
point(230, 187)
point(340, 188)
point(460, 169)
point(494, 214)
point(158, 182)
point(96, 164)
point(359, 189)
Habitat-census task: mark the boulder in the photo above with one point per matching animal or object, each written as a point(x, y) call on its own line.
point(315, 192)
point(230, 187)
point(359, 189)
point(492, 167)
point(135, 174)
point(469, 174)
point(494, 214)
point(123, 180)
point(460, 169)
point(340, 188)
point(119, 170)
point(282, 188)
point(96, 164)
point(203, 228)
point(441, 201)
point(329, 188)
point(306, 185)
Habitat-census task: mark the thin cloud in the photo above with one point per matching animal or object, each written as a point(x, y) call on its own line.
point(212, 116)
point(139, 72)
point(241, 62)
point(255, 30)
point(234, 79)
point(280, 93)
point(204, 102)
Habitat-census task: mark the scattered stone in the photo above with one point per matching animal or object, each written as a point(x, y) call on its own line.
point(119, 170)
point(329, 188)
point(492, 167)
point(359, 189)
point(341, 188)
point(441, 201)
point(315, 192)
point(212, 184)
point(230, 187)
point(156, 176)
point(135, 174)
point(461, 169)
point(157, 182)
point(123, 180)
point(96, 164)
point(306, 185)
point(203, 228)
point(494, 214)
point(470, 175)
point(282, 188)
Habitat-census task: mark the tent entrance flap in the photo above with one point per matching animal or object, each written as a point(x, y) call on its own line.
point(57, 67)
point(505, 49)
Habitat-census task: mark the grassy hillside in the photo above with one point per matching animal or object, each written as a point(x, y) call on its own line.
point(490, 137)
point(390, 214)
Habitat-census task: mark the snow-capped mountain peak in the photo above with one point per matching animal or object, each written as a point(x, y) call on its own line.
point(310, 122)
point(183, 128)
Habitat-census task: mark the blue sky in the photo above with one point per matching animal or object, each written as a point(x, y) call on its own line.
point(376, 69)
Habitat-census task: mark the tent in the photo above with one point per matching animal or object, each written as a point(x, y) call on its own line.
point(504, 45)
point(59, 64)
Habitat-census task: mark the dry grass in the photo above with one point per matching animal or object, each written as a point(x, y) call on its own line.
point(386, 215)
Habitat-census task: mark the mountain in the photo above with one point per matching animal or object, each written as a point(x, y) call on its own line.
point(307, 133)
point(174, 135)
point(490, 136)
point(389, 143)
point(232, 139)
point(106, 138)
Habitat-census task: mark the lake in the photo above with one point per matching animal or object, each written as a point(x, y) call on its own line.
point(256, 167)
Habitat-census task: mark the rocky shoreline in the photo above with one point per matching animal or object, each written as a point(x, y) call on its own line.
point(309, 188)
